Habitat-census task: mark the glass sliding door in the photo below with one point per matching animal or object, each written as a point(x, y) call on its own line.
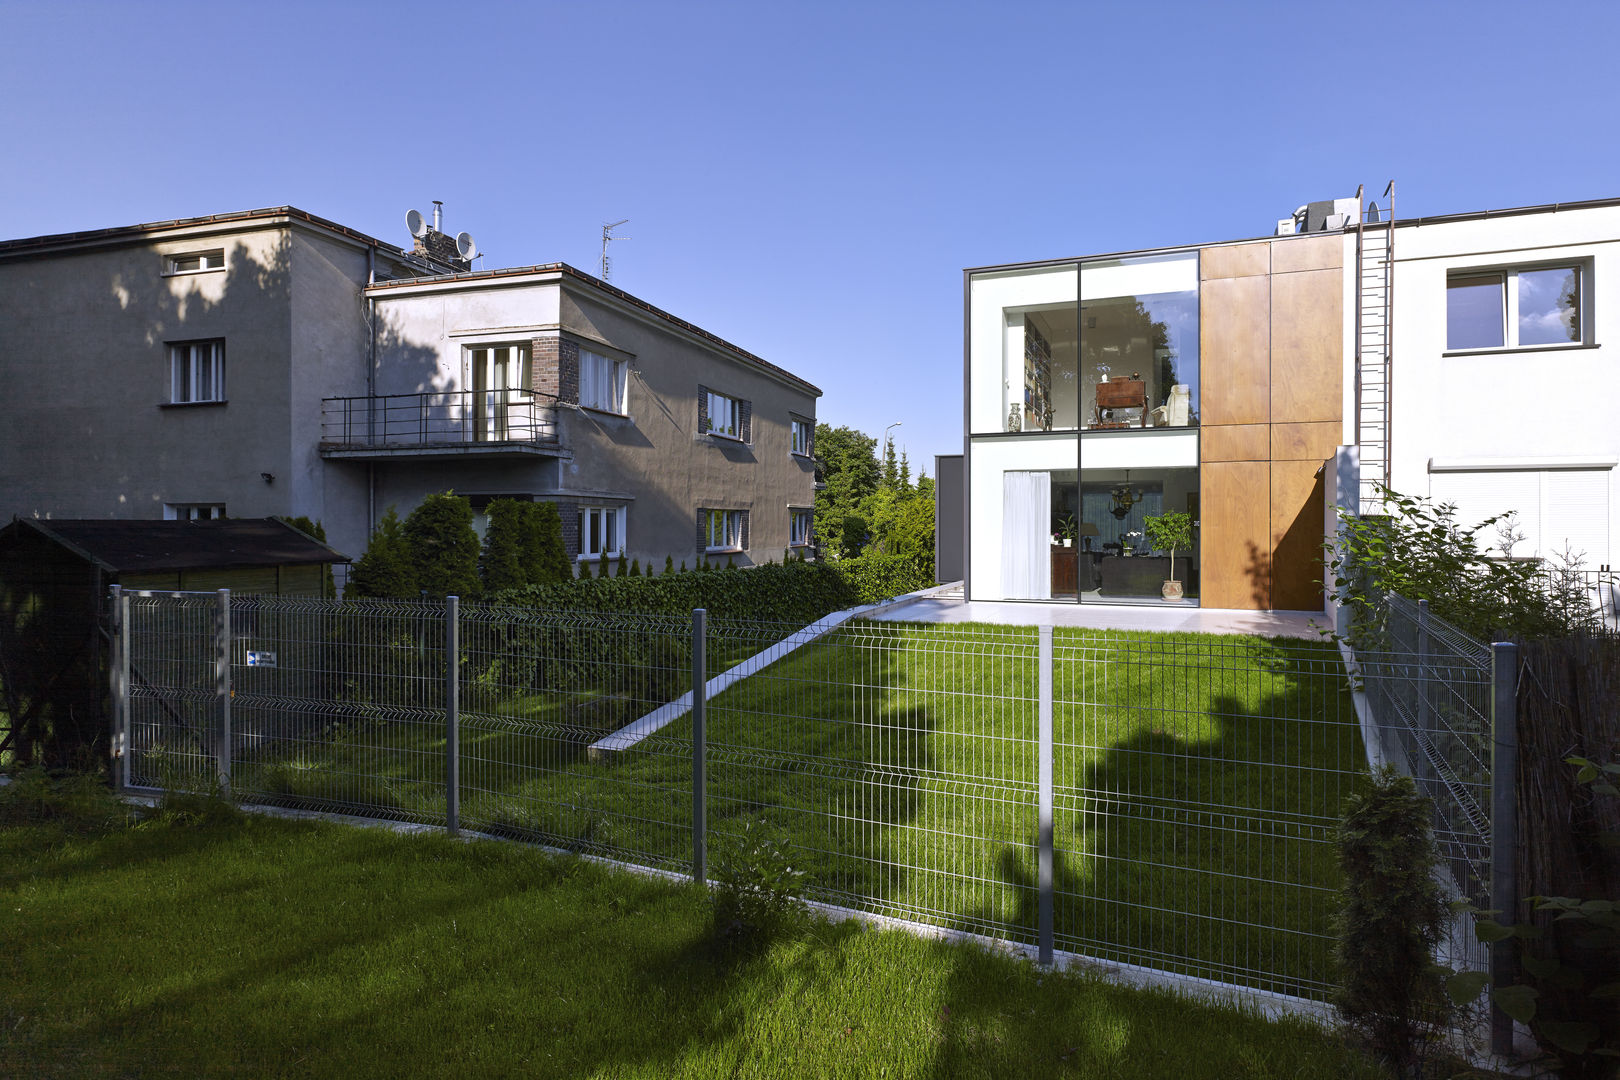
point(1121, 561)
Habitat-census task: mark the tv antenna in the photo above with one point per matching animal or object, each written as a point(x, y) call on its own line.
point(607, 234)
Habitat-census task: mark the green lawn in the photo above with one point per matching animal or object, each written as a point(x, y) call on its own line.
point(1197, 777)
point(262, 947)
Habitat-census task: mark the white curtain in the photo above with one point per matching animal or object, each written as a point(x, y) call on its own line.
point(1026, 535)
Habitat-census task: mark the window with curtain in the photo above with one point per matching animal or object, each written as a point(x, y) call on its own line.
point(1026, 535)
point(602, 382)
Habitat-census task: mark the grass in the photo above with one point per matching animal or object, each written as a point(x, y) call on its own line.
point(265, 947)
point(1198, 779)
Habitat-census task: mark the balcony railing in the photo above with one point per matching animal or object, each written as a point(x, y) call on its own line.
point(442, 420)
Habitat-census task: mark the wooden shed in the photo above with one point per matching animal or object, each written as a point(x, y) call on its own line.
point(54, 582)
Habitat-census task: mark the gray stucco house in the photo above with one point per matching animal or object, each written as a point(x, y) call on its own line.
point(274, 363)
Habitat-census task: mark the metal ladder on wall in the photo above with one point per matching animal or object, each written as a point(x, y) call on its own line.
point(1375, 303)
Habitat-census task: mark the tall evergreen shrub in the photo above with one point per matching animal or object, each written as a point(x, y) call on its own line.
point(386, 569)
point(443, 546)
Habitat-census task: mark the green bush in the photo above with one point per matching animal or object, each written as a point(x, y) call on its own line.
point(522, 546)
point(758, 892)
point(443, 546)
point(1393, 915)
point(873, 578)
point(386, 569)
point(78, 801)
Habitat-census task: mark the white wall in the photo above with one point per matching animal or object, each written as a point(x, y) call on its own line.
point(989, 335)
point(1534, 425)
point(990, 458)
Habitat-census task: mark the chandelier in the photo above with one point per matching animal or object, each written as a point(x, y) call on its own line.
point(1124, 497)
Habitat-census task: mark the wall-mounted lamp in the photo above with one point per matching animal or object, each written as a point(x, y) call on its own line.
point(268, 477)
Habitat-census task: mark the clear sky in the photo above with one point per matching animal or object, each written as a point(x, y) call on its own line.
point(807, 181)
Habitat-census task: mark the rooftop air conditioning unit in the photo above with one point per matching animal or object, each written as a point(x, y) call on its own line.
point(1286, 227)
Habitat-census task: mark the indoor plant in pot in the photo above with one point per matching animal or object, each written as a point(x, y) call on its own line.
point(1167, 532)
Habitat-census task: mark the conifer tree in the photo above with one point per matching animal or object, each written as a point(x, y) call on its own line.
point(443, 546)
point(385, 570)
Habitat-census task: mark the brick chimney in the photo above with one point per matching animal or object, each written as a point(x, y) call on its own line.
point(438, 245)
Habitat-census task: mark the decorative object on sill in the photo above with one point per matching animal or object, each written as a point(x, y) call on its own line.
point(1124, 498)
point(1168, 531)
point(1015, 417)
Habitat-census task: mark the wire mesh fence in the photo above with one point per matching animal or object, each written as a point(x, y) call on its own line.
point(1195, 781)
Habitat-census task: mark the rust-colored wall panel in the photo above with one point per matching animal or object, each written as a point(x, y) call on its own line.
point(1236, 442)
point(1237, 260)
point(1235, 351)
point(1307, 346)
point(1234, 541)
point(1298, 442)
point(1307, 253)
point(1296, 535)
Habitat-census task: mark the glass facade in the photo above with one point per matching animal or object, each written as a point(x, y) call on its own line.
point(1083, 408)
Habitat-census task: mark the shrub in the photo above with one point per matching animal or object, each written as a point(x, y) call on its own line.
point(757, 892)
point(386, 569)
point(443, 546)
point(78, 801)
point(506, 543)
point(873, 578)
point(1392, 916)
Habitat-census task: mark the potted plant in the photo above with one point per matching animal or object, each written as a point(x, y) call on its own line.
point(1167, 532)
point(1066, 530)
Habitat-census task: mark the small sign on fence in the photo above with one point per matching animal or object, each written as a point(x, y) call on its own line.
point(261, 658)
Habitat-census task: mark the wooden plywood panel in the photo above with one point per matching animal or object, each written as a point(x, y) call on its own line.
point(1236, 442)
point(1296, 535)
point(1307, 253)
point(1234, 536)
point(1236, 260)
point(1307, 347)
point(1235, 351)
point(1300, 442)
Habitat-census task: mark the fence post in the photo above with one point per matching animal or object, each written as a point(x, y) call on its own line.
point(1504, 827)
point(700, 734)
point(1044, 782)
point(1425, 699)
point(222, 687)
point(126, 646)
point(452, 715)
point(115, 686)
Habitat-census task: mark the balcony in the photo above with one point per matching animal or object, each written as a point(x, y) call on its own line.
point(500, 423)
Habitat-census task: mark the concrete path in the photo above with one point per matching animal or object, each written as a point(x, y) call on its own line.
point(1164, 619)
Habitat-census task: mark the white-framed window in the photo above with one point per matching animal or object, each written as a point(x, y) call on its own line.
point(602, 382)
point(725, 415)
point(193, 511)
point(725, 530)
point(196, 371)
point(803, 436)
point(799, 527)
point(601, 531)
point(1516, 308)
point(194, 262)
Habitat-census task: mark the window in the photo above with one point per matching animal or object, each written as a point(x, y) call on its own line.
point(723, 415)
point(725, 530)
point(601, 531)
point(195, 262)
point(602, 382)
point(803, 431)
point(196, 371)
point(193, 511)
point(1514, 309)
point(799, 527)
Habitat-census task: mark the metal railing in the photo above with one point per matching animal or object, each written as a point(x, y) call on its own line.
point(1148, 800)
point(437, 419)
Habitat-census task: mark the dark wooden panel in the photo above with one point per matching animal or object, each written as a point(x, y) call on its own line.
point(1235, 351)
point(1307, 253)
point(1234, 537)
point(1235, 442)
point(1296, 535)
point(1305, 442)
point(1236, 260)
point(1307, 346)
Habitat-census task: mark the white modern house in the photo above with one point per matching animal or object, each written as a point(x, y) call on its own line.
point(1259, 384)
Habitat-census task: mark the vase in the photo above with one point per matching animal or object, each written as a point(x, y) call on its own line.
point(1171, 590)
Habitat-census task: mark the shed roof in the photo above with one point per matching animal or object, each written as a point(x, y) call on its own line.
point(141, 546)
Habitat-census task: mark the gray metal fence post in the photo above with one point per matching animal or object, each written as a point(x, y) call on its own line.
point(115, 688)
point(1425, 699)
point(127, 645)
point(1044, 782)
point(452, 715)
point(1504, 826)
point(700, 734)
point(222, 687)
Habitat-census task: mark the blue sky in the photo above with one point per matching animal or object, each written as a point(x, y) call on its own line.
point(807, 181)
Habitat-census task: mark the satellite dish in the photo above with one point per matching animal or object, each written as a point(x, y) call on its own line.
point(415, 222)
point(466, 247)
